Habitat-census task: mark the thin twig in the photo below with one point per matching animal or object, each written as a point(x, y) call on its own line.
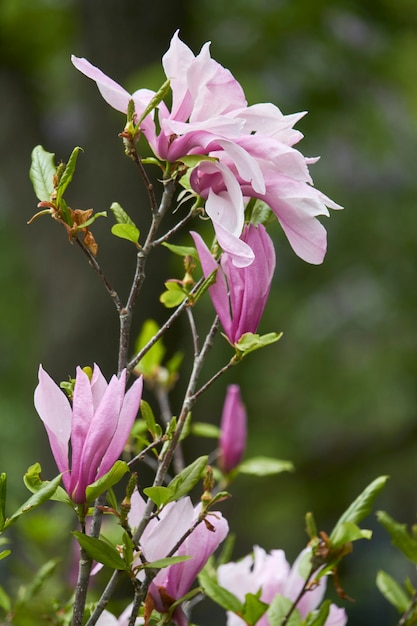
point(175, 228)
point(409, 612)
point(97, 268)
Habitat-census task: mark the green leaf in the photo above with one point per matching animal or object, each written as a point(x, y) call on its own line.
point(311, 527)
point(188, 478)
point(161, 563)
point(221, 596)
point(392, 591)
point(154, 356)
point(42, 172)
point(253, 609)
point(318, 618)
point(192, 160)
point(159, 495)
point(347, 532)
point(149, 417)
point(120, 215)
point(210, 280)
point(250, 342)
point(3, 493)
point(37, 582)
point(5, 601)
point(278, 609)
point(203, 429)
point(174, 295)
point(112, 477)
point(258, 212)
point(4, 554)
point(101, 551)
point(158, 97)
point(400, 536)
point(126, 231)
point(362, 506)
point(34, 483)
point(182, 250)
point(91, 220)
point(45, 493)
point(67, 175)
point(264, 466)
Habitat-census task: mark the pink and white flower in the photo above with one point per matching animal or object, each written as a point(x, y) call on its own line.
point(272, 574)
point(252, 147)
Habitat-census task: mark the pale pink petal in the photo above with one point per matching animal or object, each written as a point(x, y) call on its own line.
point(127, 416)
point(82, 416)
point(176, 519)
point(176, 62)
point(111, 91)
point(336, 617)
point(54, 410)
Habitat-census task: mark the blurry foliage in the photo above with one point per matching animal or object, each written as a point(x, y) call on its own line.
point(338, 394)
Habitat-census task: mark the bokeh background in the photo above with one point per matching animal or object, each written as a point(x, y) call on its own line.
point(337, 395)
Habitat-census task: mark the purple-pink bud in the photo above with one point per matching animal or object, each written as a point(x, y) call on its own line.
point(233, 430)
point(240, 294)
point(93, 431)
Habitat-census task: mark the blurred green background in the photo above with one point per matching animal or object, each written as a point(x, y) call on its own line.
point(337, 395)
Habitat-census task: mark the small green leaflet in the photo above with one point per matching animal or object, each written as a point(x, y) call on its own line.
point(392, 592)
point(101, 551)
point(42, 172)
point(400, 536)
point(264, 466)
point(67, 175)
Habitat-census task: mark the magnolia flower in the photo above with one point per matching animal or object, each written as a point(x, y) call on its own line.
point(163, 534)
point(232, 430)
point(87, 438)
point(272, 574)
point(239, 294)
point(251, 149)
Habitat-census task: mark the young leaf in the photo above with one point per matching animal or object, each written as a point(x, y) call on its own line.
point(34, 483)
point(67, 175)
point(361, 507)
point(347, 532)
point(264, 466)
point(126, 231)
point(149, 417)
point(400, 536)
point(253, 609)
point(153, 358)
point(101, 551)
point(318, 618)
point(4, 553)
point(392, 591)
point(161, 563)
point(157, 98)
point(42, 172)
point(188, 478)
point(174, 295)
point(120, 215)
point(251, 341)
point(221, 596)
point(112, 477)
point(45, 493)
point(203, 429)
point(3, 491)
point(182, 250)
point(159, 495)
point(37, 582)
point(5, 601)
point(278, 609)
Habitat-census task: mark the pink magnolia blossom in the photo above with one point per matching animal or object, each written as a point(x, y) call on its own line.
point(233, 430)
point(239, 294)
point(162, 535)
point(271, 573)
point(87, 438)
point(252, 148)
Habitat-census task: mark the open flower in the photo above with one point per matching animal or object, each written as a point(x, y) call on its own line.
point(233, 430)
point(272, 574)
point(160, 537)
point(254, 145)
point(239, 294)
point(87, 438)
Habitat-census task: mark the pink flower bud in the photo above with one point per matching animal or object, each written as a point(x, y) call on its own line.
point(239, 294)
point(233, 430)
